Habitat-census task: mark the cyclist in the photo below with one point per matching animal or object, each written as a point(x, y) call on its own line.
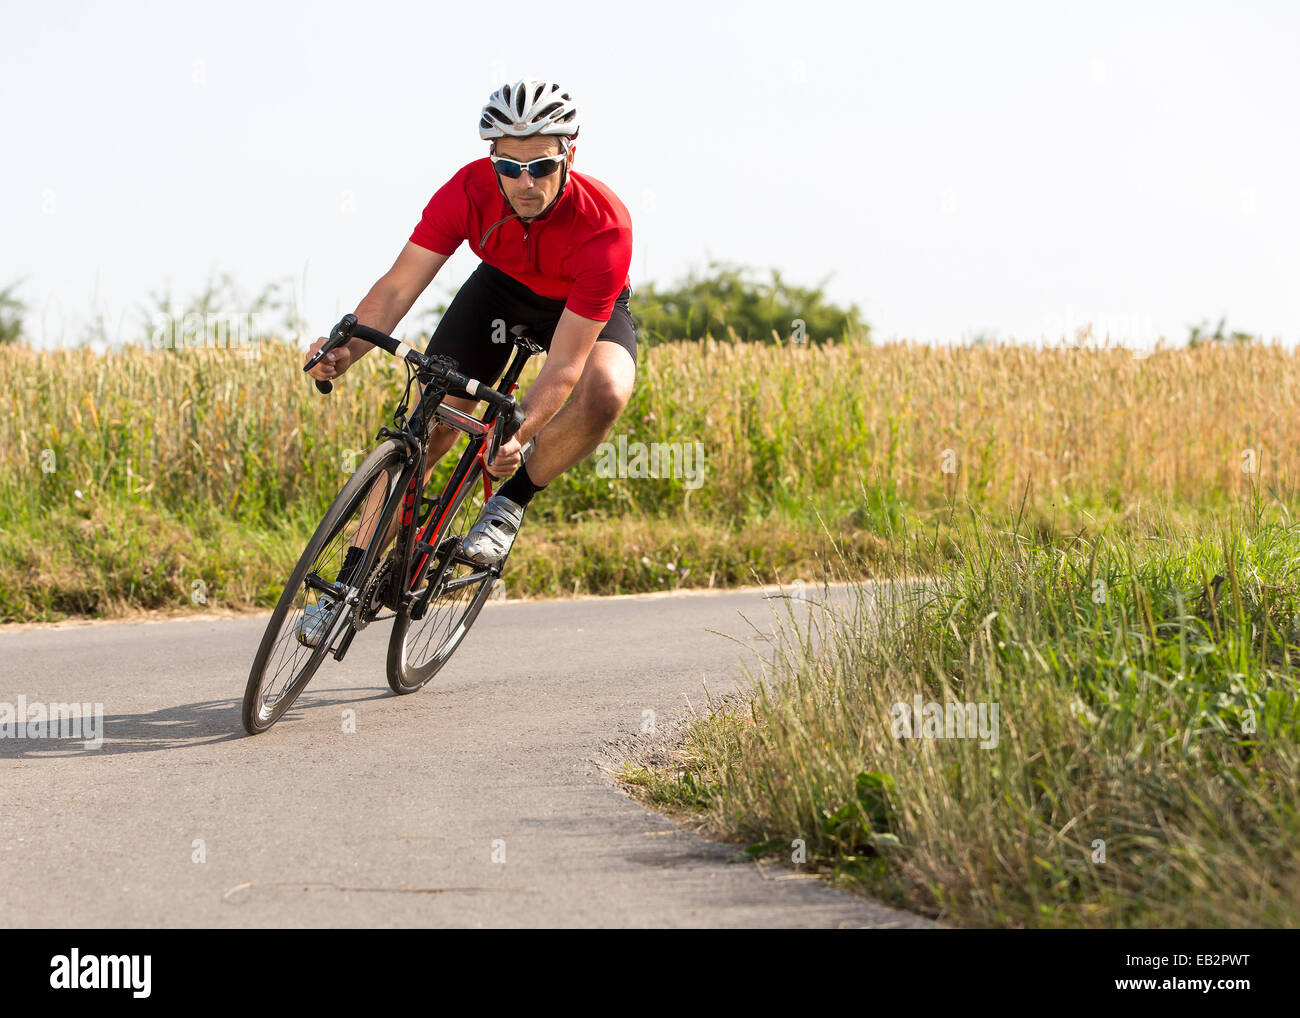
point(555, 246)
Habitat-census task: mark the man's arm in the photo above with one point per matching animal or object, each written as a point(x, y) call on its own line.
point(384, 306)
point(570, 346)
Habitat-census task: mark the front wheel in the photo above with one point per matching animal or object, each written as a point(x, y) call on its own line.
point(418, 648)
point(301, 628)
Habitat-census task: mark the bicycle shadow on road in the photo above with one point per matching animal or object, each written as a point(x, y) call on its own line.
point(182, 726)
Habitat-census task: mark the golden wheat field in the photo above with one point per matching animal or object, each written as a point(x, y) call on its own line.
point(166, 451)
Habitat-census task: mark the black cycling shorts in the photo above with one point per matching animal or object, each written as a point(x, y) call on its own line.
point(490, 297)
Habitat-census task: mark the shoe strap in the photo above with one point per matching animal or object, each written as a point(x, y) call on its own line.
point(503, 511)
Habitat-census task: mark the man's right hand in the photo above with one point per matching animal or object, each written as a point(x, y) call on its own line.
point(332, 364)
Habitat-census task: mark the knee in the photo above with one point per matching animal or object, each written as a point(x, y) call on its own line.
point(603, 399)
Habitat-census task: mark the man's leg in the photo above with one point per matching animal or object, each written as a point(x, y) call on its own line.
point(569, 437)
point(572, 435)
point(583, 422)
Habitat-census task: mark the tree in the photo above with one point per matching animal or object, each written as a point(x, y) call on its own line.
point(11, 315)
point(1200, 334)
point(729, 302)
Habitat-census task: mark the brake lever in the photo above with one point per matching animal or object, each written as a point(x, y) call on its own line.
point(516, 418)
point(495, 444)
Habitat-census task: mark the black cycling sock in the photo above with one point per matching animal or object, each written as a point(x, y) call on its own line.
point(351, 563)
point(520, 489)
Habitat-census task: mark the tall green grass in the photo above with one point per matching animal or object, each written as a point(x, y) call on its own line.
point(1147, 770)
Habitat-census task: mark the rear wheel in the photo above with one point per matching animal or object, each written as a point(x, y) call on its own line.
point(294, 645)
point(418, 648)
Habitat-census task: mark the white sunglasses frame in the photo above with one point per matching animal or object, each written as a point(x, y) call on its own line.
point(561, 158)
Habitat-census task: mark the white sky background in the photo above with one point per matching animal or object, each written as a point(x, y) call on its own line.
point(1016, 169)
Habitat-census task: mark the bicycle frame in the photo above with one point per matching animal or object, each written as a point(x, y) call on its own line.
point(413, 538)
point(480, 448)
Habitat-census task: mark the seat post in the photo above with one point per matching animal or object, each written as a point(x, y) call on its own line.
point(525, 346)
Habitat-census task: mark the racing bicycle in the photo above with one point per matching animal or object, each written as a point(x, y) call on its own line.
point(423, 584)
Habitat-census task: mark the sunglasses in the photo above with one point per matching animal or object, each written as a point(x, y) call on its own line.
point(537, 168)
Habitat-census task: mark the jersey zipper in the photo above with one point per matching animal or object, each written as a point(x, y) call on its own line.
point(530, 249)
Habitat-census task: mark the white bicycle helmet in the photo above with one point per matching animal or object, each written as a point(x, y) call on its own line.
point(529, 107)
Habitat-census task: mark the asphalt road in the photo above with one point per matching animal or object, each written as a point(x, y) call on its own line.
point(483, 800)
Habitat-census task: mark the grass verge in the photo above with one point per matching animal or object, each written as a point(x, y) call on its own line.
point(1141, 769)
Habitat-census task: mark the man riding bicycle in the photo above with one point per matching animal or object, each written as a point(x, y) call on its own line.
point(555, 248)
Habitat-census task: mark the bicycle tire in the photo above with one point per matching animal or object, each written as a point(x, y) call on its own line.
point(281, 630)
point(411, 663)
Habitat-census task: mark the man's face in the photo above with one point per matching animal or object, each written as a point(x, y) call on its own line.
point(528, 195)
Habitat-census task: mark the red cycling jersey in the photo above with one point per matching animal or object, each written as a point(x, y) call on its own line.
point(579, 252)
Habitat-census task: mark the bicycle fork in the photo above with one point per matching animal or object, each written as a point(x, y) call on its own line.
point(343, 631)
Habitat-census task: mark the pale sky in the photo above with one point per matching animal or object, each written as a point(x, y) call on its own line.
point(1014, 169)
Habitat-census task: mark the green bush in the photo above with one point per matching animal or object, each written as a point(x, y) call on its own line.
point(731, 303)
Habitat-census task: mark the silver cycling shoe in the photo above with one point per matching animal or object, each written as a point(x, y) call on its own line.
point(314, 624)
point(489, 540)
